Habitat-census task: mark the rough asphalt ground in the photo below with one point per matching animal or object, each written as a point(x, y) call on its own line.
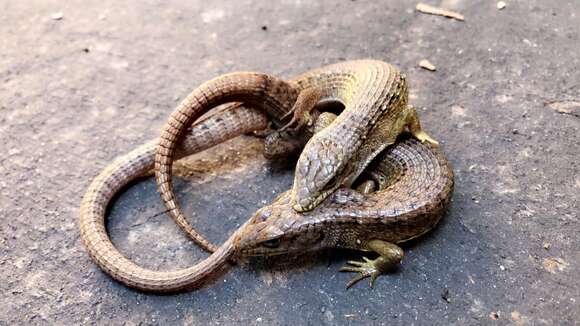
point(79, 89)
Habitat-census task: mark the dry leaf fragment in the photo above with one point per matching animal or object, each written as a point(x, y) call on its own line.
point(565, 107)
point(553, 264)
point(427, 9)
point(425, 64)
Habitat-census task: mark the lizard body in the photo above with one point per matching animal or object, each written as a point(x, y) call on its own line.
point(415, 185)
point(373, 93)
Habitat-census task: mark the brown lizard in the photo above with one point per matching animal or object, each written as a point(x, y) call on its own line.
point(415, 184)
point(374, 94)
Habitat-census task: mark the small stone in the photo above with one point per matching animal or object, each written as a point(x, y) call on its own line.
point(57, 16)
point(445, 295)
point(264, 27)
point(425, 64)
point(502, 267)
point(501, 5)
point(546, 245)
point(471, 280)
point(458, 111)
point(494, 315)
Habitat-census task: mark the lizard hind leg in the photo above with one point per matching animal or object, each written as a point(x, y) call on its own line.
point(390, 255)
point(323, 120)
point(367, 187)
point(415, 127)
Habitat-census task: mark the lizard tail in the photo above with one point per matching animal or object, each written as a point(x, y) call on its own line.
point(259, 90)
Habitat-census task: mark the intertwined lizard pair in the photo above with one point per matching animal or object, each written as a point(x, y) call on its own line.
point(411, 187)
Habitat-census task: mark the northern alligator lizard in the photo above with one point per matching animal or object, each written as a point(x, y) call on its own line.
point(374, 94)
point(415, 185)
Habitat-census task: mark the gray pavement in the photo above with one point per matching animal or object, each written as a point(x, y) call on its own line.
point(82, 82)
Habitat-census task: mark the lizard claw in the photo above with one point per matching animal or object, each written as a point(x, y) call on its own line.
point(299, 119)
point(366, 269)
point(305, 103)
point(287, 114)
point(288, 125)
point(425, 138)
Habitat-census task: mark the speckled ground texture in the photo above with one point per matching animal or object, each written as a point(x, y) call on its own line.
point(78, 90)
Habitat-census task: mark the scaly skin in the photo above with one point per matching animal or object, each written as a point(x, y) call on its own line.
point(219, 127)
point(269, 94)
point(227, 124)
point(373, 93)
point(416, 185)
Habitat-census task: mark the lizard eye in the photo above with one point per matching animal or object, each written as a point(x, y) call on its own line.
point(272, 243)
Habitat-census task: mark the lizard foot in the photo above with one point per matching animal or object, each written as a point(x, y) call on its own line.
point(366, 269)
point(390, 256)
point(305, 103)
point(424, 137)
point(299, 120)
point(415, 127)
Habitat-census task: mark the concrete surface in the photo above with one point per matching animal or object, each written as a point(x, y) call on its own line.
point(84, 81)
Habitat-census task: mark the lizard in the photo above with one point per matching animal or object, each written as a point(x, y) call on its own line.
point(414, 183)
point(374, 93)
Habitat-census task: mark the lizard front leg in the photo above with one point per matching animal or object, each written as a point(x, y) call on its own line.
point(390, 256)
point(306, 101)
point(415, 127)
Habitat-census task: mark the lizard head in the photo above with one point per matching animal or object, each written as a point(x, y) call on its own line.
point(277, 229)
point(321, 169)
